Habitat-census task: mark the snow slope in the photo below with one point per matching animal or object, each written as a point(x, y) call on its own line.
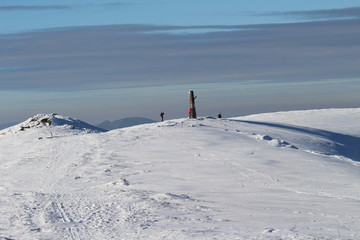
point(292, 175)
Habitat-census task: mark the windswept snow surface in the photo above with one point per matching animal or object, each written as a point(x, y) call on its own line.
point(292, 175)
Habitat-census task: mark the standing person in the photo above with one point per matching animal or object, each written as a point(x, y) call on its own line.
point(162, 116)
point(219, 115)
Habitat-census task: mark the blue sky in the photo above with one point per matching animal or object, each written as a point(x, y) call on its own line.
point(30, 15)
point(98, 60)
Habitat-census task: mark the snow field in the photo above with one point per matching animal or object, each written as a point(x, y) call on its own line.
point(241, 178)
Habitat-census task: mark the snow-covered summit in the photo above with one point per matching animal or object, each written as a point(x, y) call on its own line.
point(293, 175)
point(54, 122)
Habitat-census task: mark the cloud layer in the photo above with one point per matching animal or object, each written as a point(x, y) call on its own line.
point(116, 56)
point(353, 12)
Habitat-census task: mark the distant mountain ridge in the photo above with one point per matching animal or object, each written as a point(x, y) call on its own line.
point(124, 122)
point(6, 125)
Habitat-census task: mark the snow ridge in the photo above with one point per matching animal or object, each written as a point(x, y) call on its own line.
point(54, 121)
point(313, 140)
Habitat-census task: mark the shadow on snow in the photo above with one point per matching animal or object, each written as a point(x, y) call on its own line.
point(341, 144)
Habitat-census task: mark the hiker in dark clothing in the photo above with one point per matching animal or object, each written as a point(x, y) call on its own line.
point(219, 115)
point(162, 116)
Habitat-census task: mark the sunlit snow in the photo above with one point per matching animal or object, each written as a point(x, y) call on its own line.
point(286, 175)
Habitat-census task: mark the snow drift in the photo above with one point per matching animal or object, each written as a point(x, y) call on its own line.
point(290, 175)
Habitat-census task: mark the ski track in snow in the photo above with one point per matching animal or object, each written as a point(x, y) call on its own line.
point(181, 179)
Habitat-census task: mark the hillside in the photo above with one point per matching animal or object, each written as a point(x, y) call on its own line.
point(289, 175)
